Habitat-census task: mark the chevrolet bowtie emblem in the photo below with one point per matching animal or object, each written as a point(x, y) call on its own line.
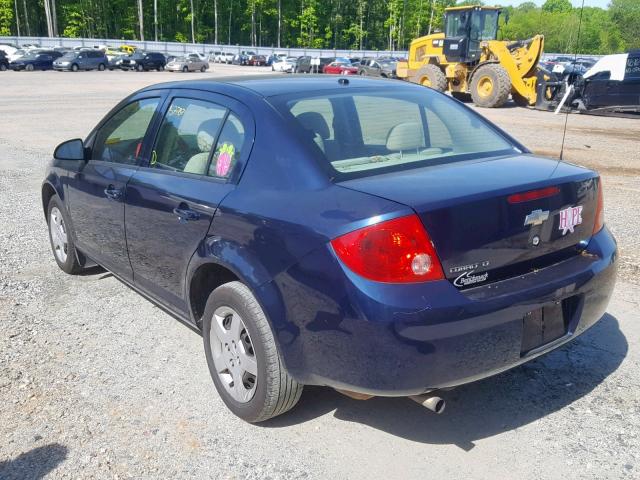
point(537, 217)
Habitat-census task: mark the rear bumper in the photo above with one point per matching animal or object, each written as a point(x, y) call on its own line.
point(398, 340)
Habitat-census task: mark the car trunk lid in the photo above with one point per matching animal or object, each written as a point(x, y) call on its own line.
point(483, 230)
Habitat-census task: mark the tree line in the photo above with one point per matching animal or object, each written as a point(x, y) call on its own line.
point(340, 24)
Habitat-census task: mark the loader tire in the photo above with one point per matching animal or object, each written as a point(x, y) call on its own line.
point(490, 86)
point(431, 76)
point(519, 100)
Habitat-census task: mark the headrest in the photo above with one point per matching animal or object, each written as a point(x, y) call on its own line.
point(315, 123)
point(207, 134)
point(405, 136)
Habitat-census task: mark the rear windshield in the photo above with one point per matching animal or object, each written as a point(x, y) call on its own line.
point(370, 131)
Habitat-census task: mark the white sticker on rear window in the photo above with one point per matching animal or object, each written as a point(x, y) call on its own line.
point(570, 218)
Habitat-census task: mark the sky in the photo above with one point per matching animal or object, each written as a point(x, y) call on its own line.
point(576, 3)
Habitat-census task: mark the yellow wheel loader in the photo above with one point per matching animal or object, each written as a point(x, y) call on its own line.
point(467, 60)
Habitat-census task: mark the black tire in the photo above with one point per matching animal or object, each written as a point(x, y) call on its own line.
point(3, 67)
point(161, 68)
point(490, 86)
point(139, 68)
point(74, 67)
point(519, 100)
point(101, 67)
point(276, 392)
point(431, 76)
point(185, 69)
point(71, 265)
point(29, 68)
point(203, 69)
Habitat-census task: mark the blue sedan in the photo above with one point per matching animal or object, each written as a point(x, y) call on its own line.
point(376, 237)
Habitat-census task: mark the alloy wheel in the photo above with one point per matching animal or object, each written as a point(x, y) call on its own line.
point(58, 233)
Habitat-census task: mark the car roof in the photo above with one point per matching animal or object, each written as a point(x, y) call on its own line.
point(271, 85)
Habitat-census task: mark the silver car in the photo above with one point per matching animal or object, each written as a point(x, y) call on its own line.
point(189, 63)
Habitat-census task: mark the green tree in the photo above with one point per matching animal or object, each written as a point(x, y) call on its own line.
point(6, 17)
point(625, 14)
point(554, 6)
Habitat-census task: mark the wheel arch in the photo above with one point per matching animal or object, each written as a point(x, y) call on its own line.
point(50, 187)
point(216, 262)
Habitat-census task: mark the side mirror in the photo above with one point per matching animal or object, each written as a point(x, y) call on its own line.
point(70, 150)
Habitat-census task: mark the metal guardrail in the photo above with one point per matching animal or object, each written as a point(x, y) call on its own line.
point(176, 48)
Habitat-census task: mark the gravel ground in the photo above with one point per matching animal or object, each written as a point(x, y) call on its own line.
point(96, 382)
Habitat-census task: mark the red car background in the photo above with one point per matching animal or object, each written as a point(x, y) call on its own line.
point(340, 67)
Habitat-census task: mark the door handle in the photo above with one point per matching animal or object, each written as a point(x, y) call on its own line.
point(185, 214)
point(113, 193)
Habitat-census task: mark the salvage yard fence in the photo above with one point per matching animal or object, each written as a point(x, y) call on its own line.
point(177, 48)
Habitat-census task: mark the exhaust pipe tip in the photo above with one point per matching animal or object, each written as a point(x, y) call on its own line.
point(433, 403)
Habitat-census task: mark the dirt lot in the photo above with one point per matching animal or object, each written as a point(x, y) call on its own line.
point(96, 382)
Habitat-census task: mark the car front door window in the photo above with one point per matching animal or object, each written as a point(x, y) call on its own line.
point(120, 139)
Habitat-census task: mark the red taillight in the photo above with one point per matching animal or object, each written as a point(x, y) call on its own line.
point(395, 251)
point(533, 195)
point(599, 223)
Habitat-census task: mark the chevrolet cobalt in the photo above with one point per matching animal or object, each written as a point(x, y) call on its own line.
point(372, 236)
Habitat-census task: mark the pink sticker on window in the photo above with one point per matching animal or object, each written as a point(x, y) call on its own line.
point(223, 164)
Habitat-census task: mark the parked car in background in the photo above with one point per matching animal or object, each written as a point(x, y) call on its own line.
point(4, 61)
point(226, 57)
point(275, 57)
point(201, 56)
point(42, 60)
point(128, 49)
point(240, 59)
point(145, 61)
point(416, 259)
point(8, 49)
point(324, 61)
point(340, 67)
point(611, 84)
point(373, 67)
point(257, 60)
point(116, 62)
point(189, 63)
point(214, 56)
point(285, 64)
point(82, 60)
point(19, 53)
point(303, 64)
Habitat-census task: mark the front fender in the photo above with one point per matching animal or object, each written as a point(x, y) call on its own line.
point(52, 185)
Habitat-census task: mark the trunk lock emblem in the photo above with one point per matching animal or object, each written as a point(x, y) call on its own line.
point(536, 217)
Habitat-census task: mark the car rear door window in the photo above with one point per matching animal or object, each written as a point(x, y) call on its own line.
point(188, 133)
point(228, 148)
point(120, 138)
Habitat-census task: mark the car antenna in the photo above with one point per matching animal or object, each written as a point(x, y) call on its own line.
point(575, 58)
